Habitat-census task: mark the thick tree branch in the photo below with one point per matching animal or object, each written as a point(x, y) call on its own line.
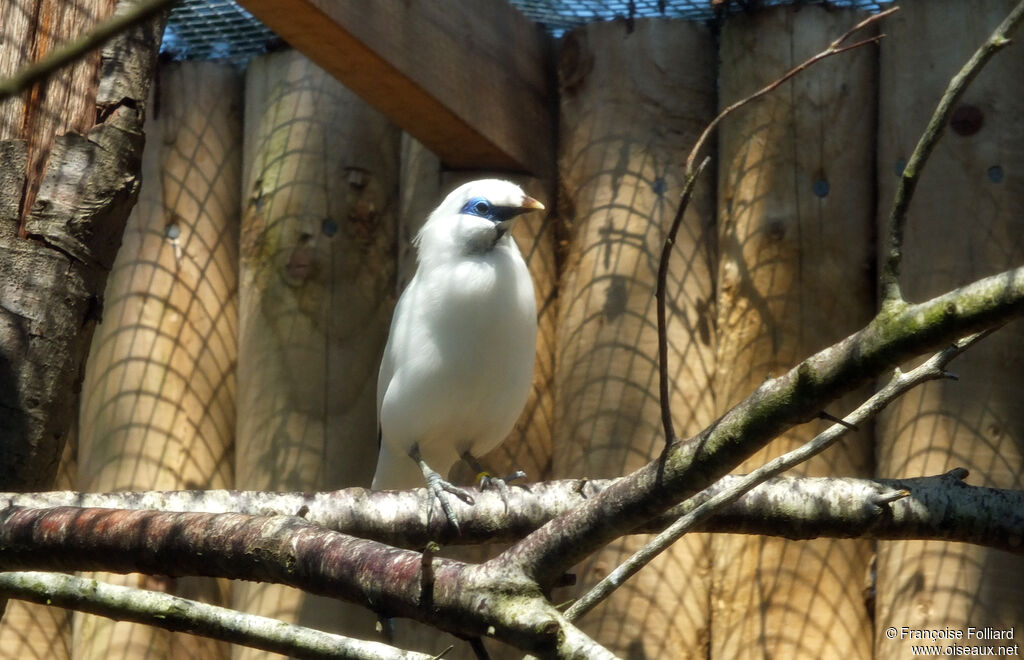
point(777, 405)
point(911, 175)
point(938, 508)
point(468, 600)
point(180, 614)
point(898, 385)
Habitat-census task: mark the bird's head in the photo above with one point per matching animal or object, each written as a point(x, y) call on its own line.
point(475, 216)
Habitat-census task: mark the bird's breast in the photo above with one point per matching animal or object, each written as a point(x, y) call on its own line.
point(464, 368)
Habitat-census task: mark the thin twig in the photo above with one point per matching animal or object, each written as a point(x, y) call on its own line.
point(74, 50)
point(659, 295)
point(890, 286)
point(691, 174)
point(834, 48)
point(932, 369)
point(174, 613)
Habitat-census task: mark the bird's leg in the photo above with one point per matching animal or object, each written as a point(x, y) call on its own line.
point(437, 487)
point(487, 480)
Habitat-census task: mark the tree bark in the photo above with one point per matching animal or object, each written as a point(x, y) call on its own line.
point(965, 222)
point(70, 151)
point(633, 101)
point(795, 232)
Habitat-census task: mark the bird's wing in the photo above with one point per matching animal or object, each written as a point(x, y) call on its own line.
point(387, 360)
point(387, 370)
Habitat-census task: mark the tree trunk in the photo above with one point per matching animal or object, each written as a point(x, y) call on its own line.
point(795, 275)
point(158, 400)
point(70, 151)
point(633, 100)
point(965, 222)
point(317, 276)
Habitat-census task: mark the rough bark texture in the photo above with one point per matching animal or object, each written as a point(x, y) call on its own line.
point(795, 234)
point(317, 276)
point(965, 222)
point(69, 164)
point(633, 101)
point(158, 399)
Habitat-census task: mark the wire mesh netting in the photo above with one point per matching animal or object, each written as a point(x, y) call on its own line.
point(561, 15)
point(214, 30)
point(220, 29)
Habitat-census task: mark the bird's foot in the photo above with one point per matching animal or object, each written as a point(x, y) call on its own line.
point(488, 480)
point(437, 487)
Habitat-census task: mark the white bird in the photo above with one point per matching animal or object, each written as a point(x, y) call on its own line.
point(458, 364)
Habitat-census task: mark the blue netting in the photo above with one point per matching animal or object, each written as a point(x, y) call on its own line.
point(214, 30)
point(220, 29)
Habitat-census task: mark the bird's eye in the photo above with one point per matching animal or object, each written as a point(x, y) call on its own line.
point(482, 207)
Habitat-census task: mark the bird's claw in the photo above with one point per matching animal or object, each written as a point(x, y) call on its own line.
point(501, 485)
point(436, 489)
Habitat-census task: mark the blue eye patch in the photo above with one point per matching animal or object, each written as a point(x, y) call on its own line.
point(483, 208)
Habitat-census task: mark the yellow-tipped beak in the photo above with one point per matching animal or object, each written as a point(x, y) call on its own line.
point(531, 204)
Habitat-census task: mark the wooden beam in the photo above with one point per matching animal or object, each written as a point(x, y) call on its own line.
point(467, 78)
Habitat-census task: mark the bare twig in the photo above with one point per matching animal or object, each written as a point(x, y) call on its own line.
point(659, 295)
point(932, 369)
point(74, 50)
point(890, 287)
point(834, 48)
point(174, 613)
point(692, 173)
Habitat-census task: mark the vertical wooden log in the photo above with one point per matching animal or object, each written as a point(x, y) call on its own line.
point(965, 222)
point(317, 276)
point(795, 274)
point(158, 405)
point(633, 100)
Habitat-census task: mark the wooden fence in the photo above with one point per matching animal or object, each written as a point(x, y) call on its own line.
point(252, 295)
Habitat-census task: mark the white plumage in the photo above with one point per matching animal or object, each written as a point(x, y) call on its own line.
point(458, 364)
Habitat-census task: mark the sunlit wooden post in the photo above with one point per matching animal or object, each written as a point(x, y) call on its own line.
point(633, 101)
point(317, 275)
point(158, 400)
point(795, 214)
point(965, 222)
